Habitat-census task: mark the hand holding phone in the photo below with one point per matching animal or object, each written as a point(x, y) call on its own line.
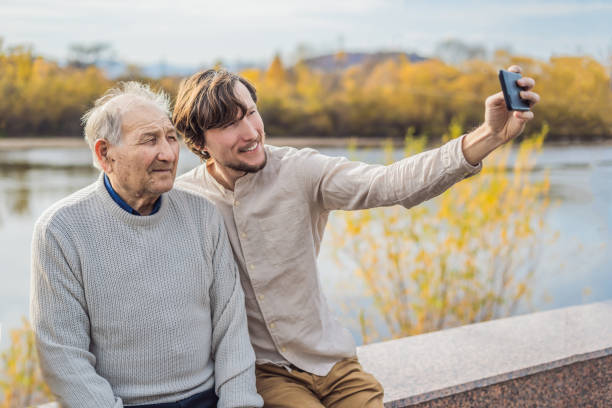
point(512, 91)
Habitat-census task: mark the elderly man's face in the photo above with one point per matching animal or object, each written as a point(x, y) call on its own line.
point(143, 164)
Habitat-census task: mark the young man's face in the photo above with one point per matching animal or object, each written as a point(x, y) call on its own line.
point(238, 148)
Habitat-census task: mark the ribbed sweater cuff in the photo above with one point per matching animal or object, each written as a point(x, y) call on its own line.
point(233, 395)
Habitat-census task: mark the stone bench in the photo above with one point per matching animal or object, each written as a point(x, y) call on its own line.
point(557, 358)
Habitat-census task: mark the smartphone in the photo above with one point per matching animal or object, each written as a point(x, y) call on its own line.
point(512, 91)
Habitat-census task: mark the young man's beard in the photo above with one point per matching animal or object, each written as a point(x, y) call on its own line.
point(247, 168)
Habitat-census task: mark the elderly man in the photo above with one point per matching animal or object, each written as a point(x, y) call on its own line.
point(135, 295)
point(275, 202)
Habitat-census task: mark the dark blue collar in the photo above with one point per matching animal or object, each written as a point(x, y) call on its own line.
point(122, 203)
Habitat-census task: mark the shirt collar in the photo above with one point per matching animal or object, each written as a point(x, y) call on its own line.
point(227, 192)
point(122, 203)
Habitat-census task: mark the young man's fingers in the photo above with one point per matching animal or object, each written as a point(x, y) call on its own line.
point(527, 115)
point(515, 68)
point(526, 83)
point(532, 97)
point(496, 99)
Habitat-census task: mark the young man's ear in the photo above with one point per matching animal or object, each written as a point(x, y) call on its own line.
point(101, 148)
point(204, 150)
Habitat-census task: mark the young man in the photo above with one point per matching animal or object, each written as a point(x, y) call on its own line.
point(135, 294)
point(275, 202)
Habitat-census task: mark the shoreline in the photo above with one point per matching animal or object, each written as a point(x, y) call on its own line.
point(27, 143)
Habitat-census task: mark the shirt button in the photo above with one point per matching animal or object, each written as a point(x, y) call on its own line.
point(243, 235)
point(261, 297)
point(251, 266)
point(236, 203)
point(283, 349)
point(272, 325)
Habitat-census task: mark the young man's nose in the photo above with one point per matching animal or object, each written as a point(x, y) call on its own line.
point(248, 131)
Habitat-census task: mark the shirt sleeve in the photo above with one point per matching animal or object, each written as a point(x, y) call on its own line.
point(231, 345)
point(340, 184)
point(60, 322)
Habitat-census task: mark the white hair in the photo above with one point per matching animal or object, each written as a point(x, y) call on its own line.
point(104, 119)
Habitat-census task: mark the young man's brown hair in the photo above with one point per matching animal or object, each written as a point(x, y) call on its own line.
point(207, 100)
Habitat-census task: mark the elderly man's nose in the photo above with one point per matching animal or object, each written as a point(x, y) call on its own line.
point(166, 151)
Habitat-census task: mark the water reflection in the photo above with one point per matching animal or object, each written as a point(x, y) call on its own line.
point(20, 204)
point(19, 183)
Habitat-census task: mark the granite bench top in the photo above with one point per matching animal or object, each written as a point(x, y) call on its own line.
point(434, 365)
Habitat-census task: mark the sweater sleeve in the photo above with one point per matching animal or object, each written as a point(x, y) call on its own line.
point(58, 312)
point(338, 183)
point(231, 345)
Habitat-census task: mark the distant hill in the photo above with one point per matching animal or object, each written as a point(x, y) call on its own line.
point(333, 62)
point(327, 63)
point(116, 69)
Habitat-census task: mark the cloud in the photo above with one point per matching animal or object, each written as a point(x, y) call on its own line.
point(185, 31)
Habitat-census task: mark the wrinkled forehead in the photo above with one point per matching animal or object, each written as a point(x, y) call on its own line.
point(140, 113)
point(126, 103)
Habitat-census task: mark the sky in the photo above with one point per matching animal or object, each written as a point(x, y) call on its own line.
point(199, 32)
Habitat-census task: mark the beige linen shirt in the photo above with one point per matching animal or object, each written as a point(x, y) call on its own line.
point(275, 219)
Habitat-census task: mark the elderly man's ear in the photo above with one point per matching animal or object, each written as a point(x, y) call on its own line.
point(101, 148)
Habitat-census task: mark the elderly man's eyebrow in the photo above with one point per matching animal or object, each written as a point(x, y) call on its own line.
point(147, 134)
point(154, 132)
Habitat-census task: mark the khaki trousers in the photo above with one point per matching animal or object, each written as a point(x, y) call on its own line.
point(345, 386)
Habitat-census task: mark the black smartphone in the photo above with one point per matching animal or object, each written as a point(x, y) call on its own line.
point(512, 91)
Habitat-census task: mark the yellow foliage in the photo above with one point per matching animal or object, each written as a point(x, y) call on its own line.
point(384, 99)
point(374, 99)
point(38, 97)
point(466, 256)
point(21, 383)
point(276, 71)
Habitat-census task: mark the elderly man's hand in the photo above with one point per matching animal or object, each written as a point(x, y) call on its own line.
point(506, 125)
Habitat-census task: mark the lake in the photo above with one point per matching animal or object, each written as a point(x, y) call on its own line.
point(576, 268)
